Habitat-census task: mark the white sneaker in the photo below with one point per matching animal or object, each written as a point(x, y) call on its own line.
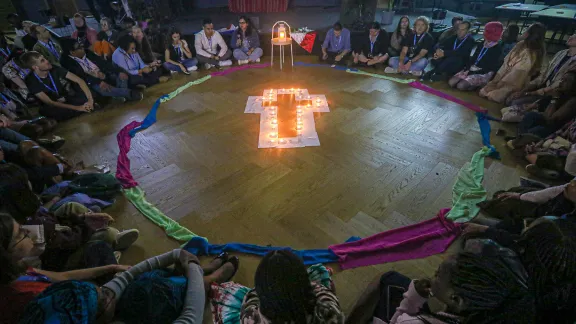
point(173, 72)
point(226, 63)
point(390, 70)
point(242, 62)
point(416, 73)
point(192, 68)
point(208, 66)
point(258, 60)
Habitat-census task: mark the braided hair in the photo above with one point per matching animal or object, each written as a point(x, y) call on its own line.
point(285, 292)
point(16, 196)
point(549, 255)
point(492, 289)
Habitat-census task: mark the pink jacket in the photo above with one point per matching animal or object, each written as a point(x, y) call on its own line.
point(91, 34)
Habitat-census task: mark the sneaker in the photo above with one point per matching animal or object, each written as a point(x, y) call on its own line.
point(117, 256)
point(125, 239)
point(525, 182)
point(173, 72)
point(242, 62)
point(141, 86)
point(258, 60)
point(416, 73)
point(390, 70)
point(226, 63)
point(163, 79)
point(140, 96)
point(119, 99)
point(192, 68)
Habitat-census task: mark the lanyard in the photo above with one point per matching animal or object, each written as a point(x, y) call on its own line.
point(419, 40)
point(50, 46)
point(55, 89)
point(209, 42)
point(482, 52)
point(19, 70)
point(85, 62)
point(6, 52)
point(4, 99)
point(179, 51)
point(462, 42)
point(340, 38)
point(371, 42)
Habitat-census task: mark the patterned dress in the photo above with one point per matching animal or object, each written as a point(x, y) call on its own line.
point(233, 303)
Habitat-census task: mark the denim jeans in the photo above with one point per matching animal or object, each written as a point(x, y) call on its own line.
point(419, 65)
point(10, 139)
point(188, 63)
point(242, 54)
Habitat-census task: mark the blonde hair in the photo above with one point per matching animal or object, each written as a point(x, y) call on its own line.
point(425, 20)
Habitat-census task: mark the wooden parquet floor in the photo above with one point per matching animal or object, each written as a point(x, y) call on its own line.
point(389, 156)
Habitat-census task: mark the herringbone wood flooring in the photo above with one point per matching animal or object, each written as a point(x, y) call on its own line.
point(389, 155)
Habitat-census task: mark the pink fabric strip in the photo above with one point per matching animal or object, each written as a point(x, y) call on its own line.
point(415, 241)
point(446, 96)
point(238, 68)
point(123, 166)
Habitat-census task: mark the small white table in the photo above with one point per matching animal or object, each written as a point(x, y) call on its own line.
point(281, 42)
point(564, 6)
point(556, 13)
point(522, 7)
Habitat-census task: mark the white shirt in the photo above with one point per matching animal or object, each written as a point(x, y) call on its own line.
point(208, 47)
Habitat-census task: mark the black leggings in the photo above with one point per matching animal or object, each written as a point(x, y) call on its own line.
point(392, 287)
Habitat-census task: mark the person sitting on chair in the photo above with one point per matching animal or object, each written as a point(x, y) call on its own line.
point(374, 48)
point(336, 46)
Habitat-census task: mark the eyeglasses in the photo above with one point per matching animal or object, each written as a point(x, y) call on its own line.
point(243, 23)
point(26, 235)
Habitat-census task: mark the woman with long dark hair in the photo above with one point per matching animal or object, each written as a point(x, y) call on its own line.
point(519, 66)
point(285, 292)
point(245, 42)
point(85, 35)
point(402, 31)
point(141, 74)
point(509, 40)
point(177, 55)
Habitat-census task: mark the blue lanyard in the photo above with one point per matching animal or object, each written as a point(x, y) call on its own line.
point(462, 42)
point(371, 43)
point(483, 52)
point(178, 50)
point(20, 71)
point(340, 38)
point(50, 46)
point(6, 100)
point(131, 59)
point(55, 89)
point(210, 42)
point(420, 39)
point(6, 52)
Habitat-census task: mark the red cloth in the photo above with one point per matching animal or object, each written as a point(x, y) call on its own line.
point(15, 296)
point(242, 6)
point(123, 166)
point(308, 41)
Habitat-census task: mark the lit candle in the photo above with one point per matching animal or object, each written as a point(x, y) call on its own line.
point(299, 127)
point(273, 113)
point(273, 127)
point(308, 105)
point(299, 111)
point(308, 97)
point(272, 107)
point(299, 122)
point(291, 89)
point(274, 121)
point(318, 100)
point(272, 141)
point(273, 135)
point(282, 141)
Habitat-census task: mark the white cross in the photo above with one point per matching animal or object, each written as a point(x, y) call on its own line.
point(305, 106)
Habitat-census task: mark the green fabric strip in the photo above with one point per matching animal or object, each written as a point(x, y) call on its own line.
point(184, 87)
point(171, 227)
point(468, 190)
point(380, 76)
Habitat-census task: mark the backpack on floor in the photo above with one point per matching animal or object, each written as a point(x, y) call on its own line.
point(96, 185)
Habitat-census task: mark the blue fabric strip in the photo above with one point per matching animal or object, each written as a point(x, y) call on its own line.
point(485, 130)
point(337, 67)
point(200, 246)
point(150, 118)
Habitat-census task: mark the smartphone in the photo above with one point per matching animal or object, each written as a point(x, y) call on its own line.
point(35, 120)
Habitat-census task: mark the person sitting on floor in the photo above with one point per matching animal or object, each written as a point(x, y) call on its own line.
point(144, 49)
point(103, 77)
point(519, 66)
point(211, 49)
point(484, 63)
point(549, 79)
point(22, 282)
point(452, 55)
point(102, 47)
point(547, 248)
point(83, 34)
point(285, 293)
point(374, 48)
point(107, 26)
point(120, 18)
point(509, 40)
point(48, 84)
point(62, 246)
point(486, 287)
point(547, 114)
point(14, 71)
point(177, 55)
point(178, 296)
point(128, 59)
point(452, 31)
point(245, 42)
point(336, 46)
point(50, 49)
point(5, 49)
point(415, 49)
point(402, 32)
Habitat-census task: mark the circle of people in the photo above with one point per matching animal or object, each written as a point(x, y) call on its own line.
point(60, 257)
